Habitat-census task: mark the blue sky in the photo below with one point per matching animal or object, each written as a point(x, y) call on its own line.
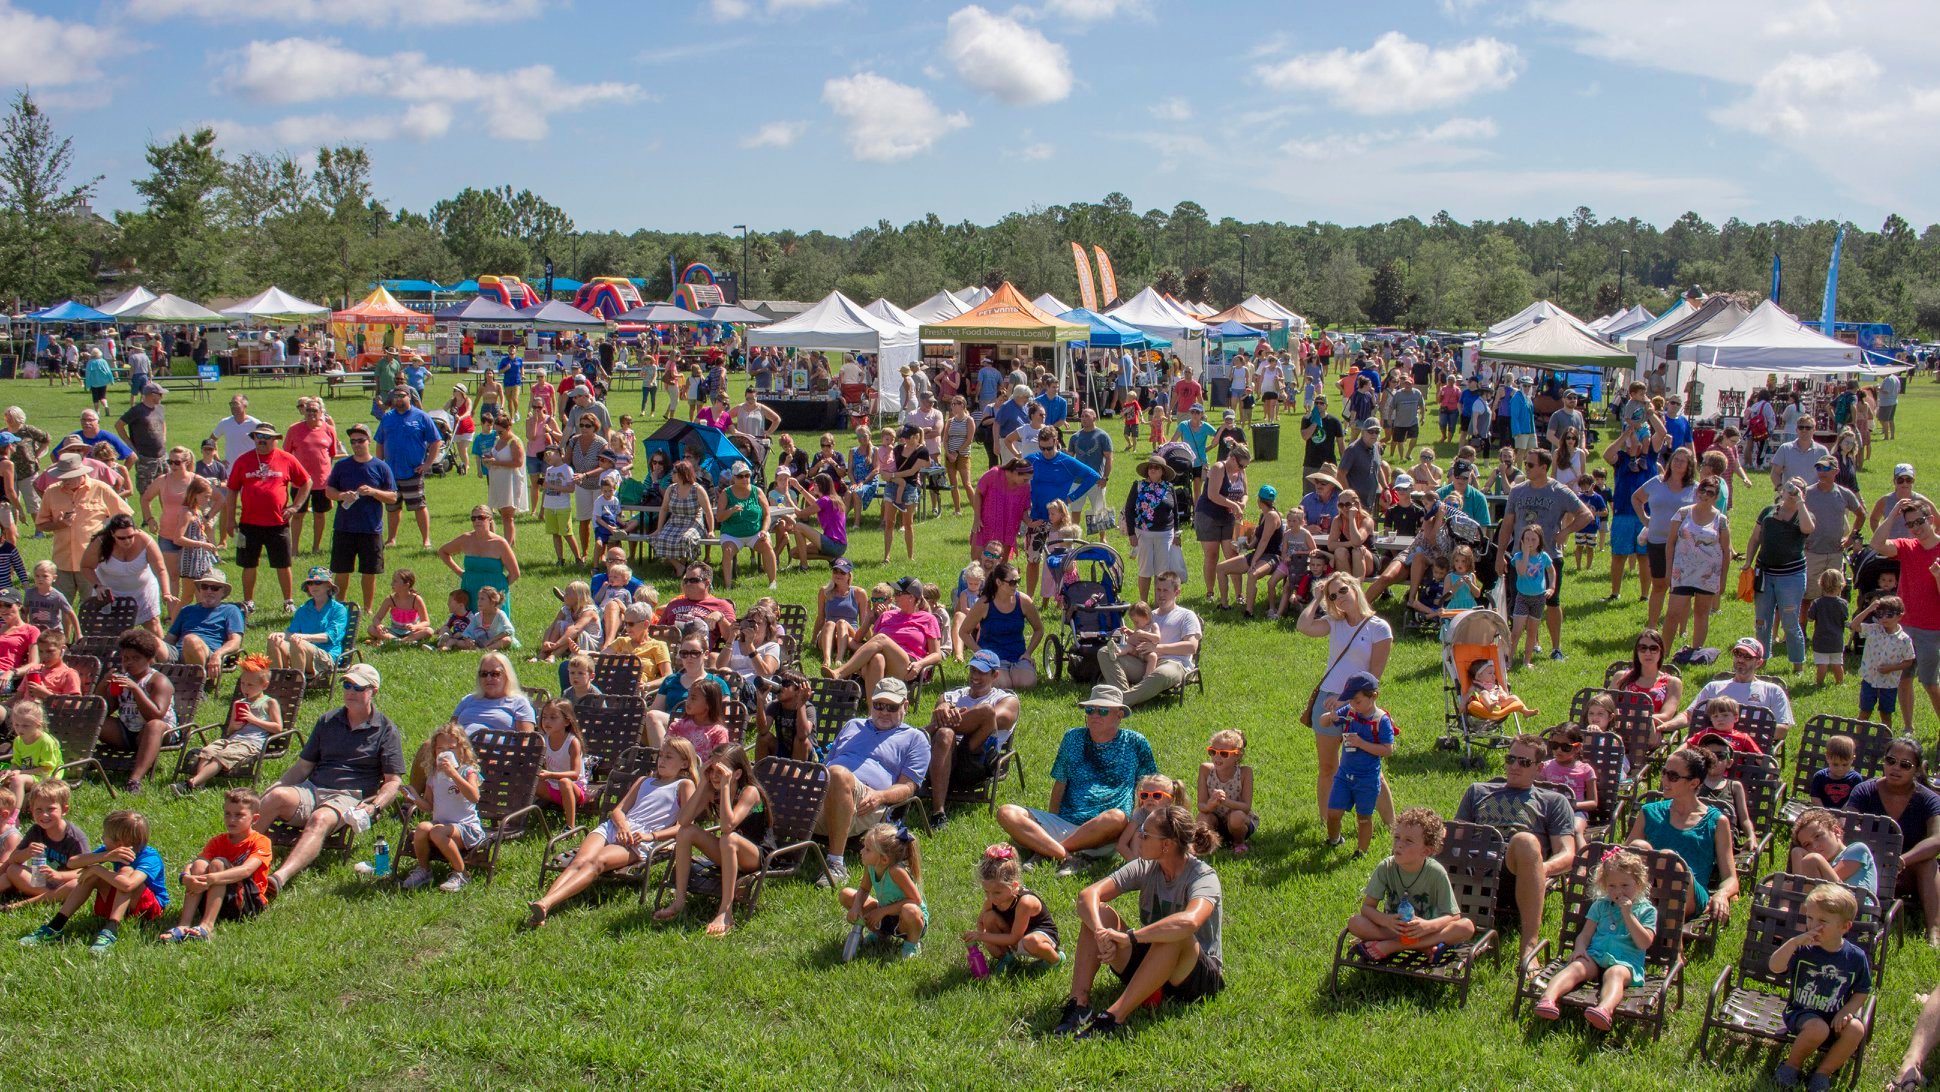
point(837, 113)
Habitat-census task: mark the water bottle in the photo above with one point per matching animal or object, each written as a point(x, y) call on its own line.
point(381, 858)
point(1405, 911)
point(35, 863)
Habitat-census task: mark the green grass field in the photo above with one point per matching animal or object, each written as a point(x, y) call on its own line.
point(346, 983)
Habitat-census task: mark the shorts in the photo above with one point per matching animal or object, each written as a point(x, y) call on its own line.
point(1403, 435)
point(1884, 698)
point(1211, 526)
point(1829, 659)
point(1203, 981)
point(583, 501)
point(255, 539)
point(1886, 412)
point(904, 494)
point(743, 542)
point(1926, 654)
point(863, 820)
point(1692, 590)
point(319, 503)
point(1817, 564)
point(357, 551)
point(555, 791)
point(1270, 396)
point(535, 465)
point(1220, 814)
point(97, 394)
point(142, 907)
point(1356, 791)
point(831, 548)
point(640, 852)
point(1796, 1019)
point(1325, 701)
point(1523, 441)
point(230, 752)
point(1060, 828)
point(410, 494)
point(1449, 419)
point(242, 900)
point(1623, 535)
point(470, 835)
point(1586, 538)
point(1527, 606)
point(1658, 555)
point(309, 798)
point(558, 521)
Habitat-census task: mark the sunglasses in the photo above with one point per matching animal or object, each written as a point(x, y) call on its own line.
point(1154, 794)
point(1222, 752)
point(1563, 745)
point(481, 519)
point(1900, 763)
point(693, 580)
point(1518, 760)
point(1099, 710)
point(355, 439)
point(1916, 521)
point(589, 426)
point(686, 652)
point(1673, 775)
point(884, 707)
point(492, 673)
point(354, 688)
point(1650, 648)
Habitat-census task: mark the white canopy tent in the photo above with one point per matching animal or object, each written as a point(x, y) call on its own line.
point(1554, 342)
point(173, 309)
point(1771, 342)
point(1715, 318)
point(937, 308)
point(1260, 305)
point(840, 324)
point(1637, 339)
point(1154, 314)
point(1623, 322)
point(275, 306)
point(1540, 311)
point(971, 296)
point(892, 314)
point(134, 297)
point(1050, 305)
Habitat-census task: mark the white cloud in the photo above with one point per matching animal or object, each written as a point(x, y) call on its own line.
point(1397, 75)
point(1452, 141)
point(424, 122)
point(1090, 11)
point(348, 12)
point(1033, 153)
point(1172, 109)
point(1002, 56)
point(41, 51)
point(775, 134)
point(514, 105)
point(886, 120)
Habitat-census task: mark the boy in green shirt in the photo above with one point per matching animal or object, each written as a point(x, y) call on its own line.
point(1410, 903)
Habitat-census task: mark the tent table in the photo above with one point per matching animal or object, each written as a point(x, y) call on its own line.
point(824, 413)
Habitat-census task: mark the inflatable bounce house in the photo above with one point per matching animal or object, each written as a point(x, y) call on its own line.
point(508, 290)
point(608, 297)
point(697, 289)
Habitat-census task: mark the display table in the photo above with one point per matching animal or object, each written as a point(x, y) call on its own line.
point(808, 413)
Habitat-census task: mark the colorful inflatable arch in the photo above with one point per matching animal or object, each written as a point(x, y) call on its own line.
point(609, 297)
point(508, 290)
point(697, 288)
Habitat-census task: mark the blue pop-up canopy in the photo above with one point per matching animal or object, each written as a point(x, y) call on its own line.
point(1109, 333)
point(69, 311)
point(1233, 329)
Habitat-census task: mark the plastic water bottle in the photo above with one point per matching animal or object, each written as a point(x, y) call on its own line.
point(35, 863)
point(381, 859)
point(1405, 911)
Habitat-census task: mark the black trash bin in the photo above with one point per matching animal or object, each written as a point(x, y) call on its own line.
point(1266, 443)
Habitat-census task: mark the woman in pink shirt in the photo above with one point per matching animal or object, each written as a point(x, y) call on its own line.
point(907, 641)
point(313, 443)
point(998, 506)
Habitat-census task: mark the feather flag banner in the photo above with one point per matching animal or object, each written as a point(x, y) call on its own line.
point(1087, 292)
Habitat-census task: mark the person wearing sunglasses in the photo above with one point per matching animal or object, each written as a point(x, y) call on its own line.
point(1903, 793)
point(350, 769)
point(878, 761)
point(1093, 790)
point(1544, 843)
point(410, 443)
point(1886, 510)
point(1646, 675)
point(961, 728)
point(481, 557)
point(360, 486)
point(907, 642)
point(267, 486)
point(999, 505)
point(498, 702)
point(698, 603)
point(1918, 552)
point(1691, 827)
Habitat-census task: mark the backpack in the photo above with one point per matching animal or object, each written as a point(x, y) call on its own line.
point(1759, 426)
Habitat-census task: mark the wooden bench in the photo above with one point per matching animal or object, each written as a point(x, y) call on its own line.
point(332, 385)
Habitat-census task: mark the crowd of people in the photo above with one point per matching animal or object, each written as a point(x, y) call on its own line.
point(1535, 489)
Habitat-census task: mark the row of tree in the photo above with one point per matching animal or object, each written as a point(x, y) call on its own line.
point(212, 224)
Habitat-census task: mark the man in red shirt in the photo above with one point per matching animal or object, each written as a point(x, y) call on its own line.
point(313, 441)
point(697, 601)
point(270, 486)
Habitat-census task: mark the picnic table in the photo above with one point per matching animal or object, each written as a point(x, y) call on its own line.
point(332, 385)
point(192, 382)
point(266, 374)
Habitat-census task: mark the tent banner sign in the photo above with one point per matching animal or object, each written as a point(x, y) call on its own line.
point(990, 333)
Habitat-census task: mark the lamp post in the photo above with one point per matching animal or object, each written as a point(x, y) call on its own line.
point(742, 281)
point(1621, 255)
point(1243, 237)
point(1558, 289)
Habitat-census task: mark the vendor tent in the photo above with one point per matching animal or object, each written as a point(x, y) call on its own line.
point(480, 312)
point(1637, 339)
point(68, 312)
point(1005, 317)
point(1153, 313)
point(660, 314)
point(840, 324)
point(972, 296)
point(171, 310)
point(727, 312)
point(1260, 305)
point(1243, 314)
point(1718, 316)
point(1540, 311)
point(1624, 322)
point(273, 305)
point(380, 308)
point(1050, 305)
point(559, 315)
point(1556, 343)
point(134, 297)
point(1234, 330)
point(1109, 333)
point(941, 306)
point(1770, 340)
point(891, 313)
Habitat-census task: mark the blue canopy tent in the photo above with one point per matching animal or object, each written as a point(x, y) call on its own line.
point(562, 284)
point(711, 452)
point(68, 312)
point(1109, 333)
point(1233, 330)
point(411, 287)
point(469, 284)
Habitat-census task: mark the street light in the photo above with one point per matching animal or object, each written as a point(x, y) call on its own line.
point(1558, 290)
point(742, 281)
point(1243, 236)
point(1621, 255)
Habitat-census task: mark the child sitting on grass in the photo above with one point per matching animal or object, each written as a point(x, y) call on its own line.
point(36, 753)
point(253, 718)
point(1409, 903)
point(1226, 789)
point(1153, 793)
point(1367, 736)
point(124, 876)
point(1819, 850)
point(403, 615)
point(1831, 977)
point(9, 827)
point(1620, 927)
point(1833, 783)
point(444, 784)
point(1014, 920)
point(231, 877)
point(490, 627)
point(892, 904)
point(1488, 698)
point(457, 620)
point(38, 867)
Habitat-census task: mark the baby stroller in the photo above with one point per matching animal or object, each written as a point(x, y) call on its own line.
point(1091, 574)
point(1178, 455)
point(1868, 572)
point(447, 428)
point(1474, 635)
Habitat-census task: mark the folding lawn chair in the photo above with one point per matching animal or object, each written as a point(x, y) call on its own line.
point(1473, 855)
point(795, 791)
point(1870, 741)
point(609, 724)
point(286, 686)
point(75, 720)
point(627, 767)
point(616, 673)
point(187, 680)
point(106, 617)
point(508, 780)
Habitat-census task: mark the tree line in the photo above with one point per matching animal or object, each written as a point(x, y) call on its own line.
point(213, 224)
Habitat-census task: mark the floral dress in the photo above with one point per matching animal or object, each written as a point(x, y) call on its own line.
point(1699, 561)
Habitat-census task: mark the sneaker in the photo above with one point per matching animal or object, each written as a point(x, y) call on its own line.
point(911, 949)
point(289, 606)
point(1103, 1025)
point(1819, 1082)
point(103, 940)
point(837, 874)
point(1336, 841)
point(182, 789)
point(1358, 855)
point(1786, 1076)
point(419, 877)
point(1556, 654)
point(1071, 865)
point(1074, 1017)
point(45, 934)
point(455, 883)
point(938, 821)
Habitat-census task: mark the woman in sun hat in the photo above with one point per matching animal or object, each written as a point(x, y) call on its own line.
point(1151, 522)
point(315, 636)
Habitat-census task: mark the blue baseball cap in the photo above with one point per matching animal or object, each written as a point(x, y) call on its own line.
point(985, 660)
point(1357, 683)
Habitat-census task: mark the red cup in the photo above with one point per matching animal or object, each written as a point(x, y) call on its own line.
point(114, 689)
point(239, 711)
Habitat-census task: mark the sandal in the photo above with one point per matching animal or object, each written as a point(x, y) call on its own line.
point(1548, 1010)
point(1366, 950)
point(173, 936)
point(1597, 1017)
point(1910, 1078)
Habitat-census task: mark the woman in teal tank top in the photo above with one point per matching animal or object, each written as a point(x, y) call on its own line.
point(481, 558)
point(741, 519)
point(1694, 830)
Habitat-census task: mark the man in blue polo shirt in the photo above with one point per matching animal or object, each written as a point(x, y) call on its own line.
point(1056, 409)
point(408, 440)
point(361, 486)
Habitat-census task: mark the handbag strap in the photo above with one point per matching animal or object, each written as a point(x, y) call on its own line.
point(1343, 652)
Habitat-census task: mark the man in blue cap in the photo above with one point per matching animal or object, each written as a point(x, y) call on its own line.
point(967, 728)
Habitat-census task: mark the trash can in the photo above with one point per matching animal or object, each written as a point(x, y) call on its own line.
point(1266, 443)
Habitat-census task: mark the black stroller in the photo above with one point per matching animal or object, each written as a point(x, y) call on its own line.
point(1869, 570)
point(1090, 575)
